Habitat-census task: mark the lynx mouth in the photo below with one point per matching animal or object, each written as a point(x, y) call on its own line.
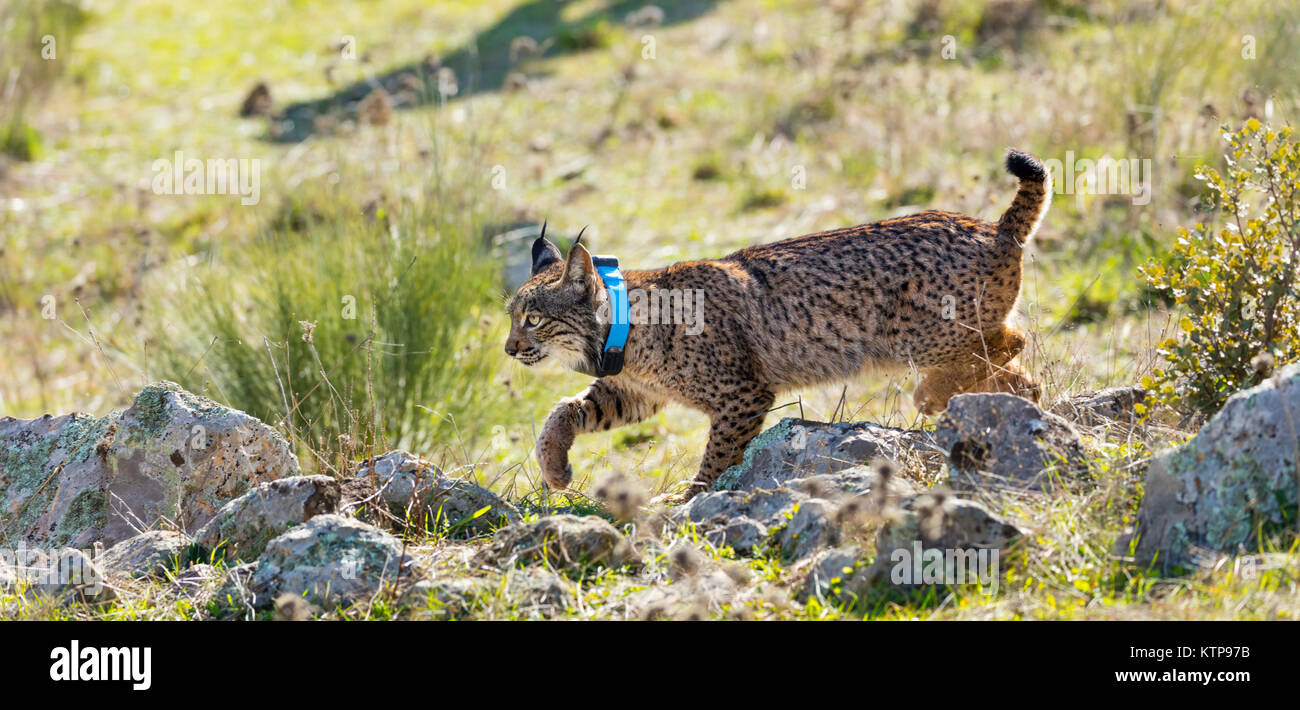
point(530, 357)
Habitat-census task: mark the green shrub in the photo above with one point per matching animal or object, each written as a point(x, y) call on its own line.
point(1234, 283)
point(366, 328)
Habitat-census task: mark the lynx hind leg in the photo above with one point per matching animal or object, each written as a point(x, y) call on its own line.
point(986, 369)
point(1012, 379)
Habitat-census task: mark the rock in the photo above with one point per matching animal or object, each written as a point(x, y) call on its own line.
point(1004, 441)
point(68, 575)
point(961, 535)
point(743, 535)
point(469, 508)
point(415, 491)
point(75, 480)
point(331, 561)
point(243, 527)
point(764, 505)
point(696, 597)
point(796, 448)
point(400, 478)
point(746, 520)
point(1117, 405)
point(829, 571)
point(563, 541)
point(1238, 473)
point(937, 540)
point(812, 528)
point(152, 554)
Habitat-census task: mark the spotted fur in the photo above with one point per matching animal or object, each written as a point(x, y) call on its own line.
point(932, 291)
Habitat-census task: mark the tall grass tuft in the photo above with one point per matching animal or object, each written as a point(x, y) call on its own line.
point(348, 326)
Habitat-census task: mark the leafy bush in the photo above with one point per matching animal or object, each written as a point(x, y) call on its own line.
point(1234, 283)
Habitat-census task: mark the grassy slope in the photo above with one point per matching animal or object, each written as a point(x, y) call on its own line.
point(879, 122)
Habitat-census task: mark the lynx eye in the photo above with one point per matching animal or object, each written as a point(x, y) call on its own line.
point(532, 319)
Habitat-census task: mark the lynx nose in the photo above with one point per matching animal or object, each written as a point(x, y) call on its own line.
point(511, 349)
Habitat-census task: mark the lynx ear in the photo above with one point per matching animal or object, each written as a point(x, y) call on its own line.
point(579, 269)
point(544, 252)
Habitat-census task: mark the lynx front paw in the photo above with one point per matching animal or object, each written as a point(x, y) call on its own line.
point(554, 461)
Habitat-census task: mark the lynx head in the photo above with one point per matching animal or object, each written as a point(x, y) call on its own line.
point(559, 312)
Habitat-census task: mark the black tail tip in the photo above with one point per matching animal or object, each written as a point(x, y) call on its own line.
point(1025, 166)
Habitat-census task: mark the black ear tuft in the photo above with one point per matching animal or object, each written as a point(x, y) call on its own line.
point(544, 252)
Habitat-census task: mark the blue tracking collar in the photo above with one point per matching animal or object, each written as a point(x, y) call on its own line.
point(611, 358)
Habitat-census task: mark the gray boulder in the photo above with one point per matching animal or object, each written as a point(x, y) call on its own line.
point(830, 571)
point(244, 526)
point(1237, 474)
point(153, 554)
point(814, 526)
point(799, 517)
point(332, 561)
point(960, 537)
point(1000, 440)
point(74, 480)
point(410, 490)
point(936, 540)
point(562, 541)
point(796, 448)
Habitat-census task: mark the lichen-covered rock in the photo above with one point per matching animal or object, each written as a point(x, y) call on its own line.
point(798, 517)
point(563, 541)
point(399, 478)
point(244, 526)
point(1238, 473)
point(75, 479)
point(468, 507)
point(796, 448)
point(1116, 405)
point(331, 561)
point(1000, 440)
point(151, 554)
point(413, 491)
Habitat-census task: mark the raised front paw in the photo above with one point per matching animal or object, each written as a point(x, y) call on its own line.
point(554, 461)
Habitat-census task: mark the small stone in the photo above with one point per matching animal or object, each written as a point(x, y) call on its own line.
point(153, 554)
point(563, 541)
point(244, 526)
